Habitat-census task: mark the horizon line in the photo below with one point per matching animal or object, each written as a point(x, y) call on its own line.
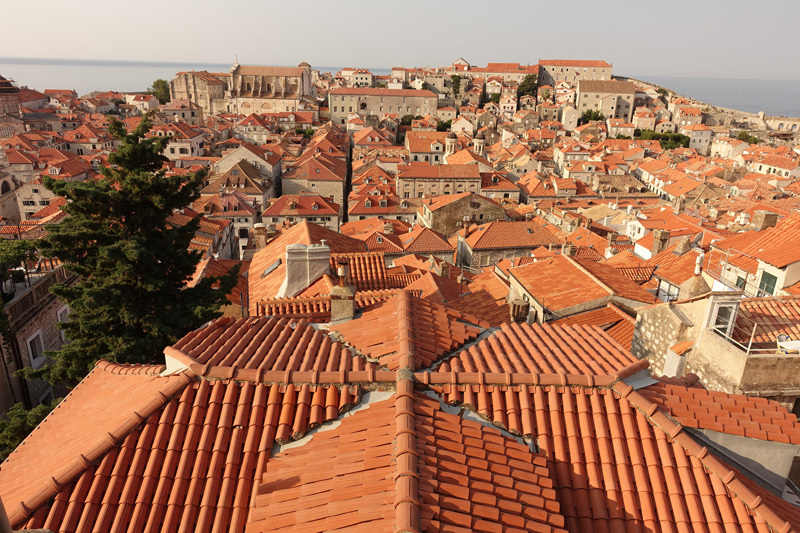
point(213, 63)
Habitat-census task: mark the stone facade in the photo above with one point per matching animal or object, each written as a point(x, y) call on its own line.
point(207, 90)
point(423, 181)
point(614, 99)
point(718, 362)
point(554, 71)
point(449, 218)
point(367, 101)
point(246, 89)
point(32, 315)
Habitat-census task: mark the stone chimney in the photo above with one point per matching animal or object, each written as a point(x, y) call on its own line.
point(679, 204)
point(568, 249)
point(660, 241)
point(260, 235)
point(388, 229)
point(763, 219)
point(304, 266)
point(683, 246)
point(343, 296)
point(519, 310)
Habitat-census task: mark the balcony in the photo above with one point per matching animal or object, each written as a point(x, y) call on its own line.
point(31, 296)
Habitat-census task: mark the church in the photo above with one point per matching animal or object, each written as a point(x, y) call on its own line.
point(246, 89)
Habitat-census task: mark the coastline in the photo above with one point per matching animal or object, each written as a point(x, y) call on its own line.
point(716, 108)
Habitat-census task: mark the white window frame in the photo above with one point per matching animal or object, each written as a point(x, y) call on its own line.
point(64, 310)
point(36, 362)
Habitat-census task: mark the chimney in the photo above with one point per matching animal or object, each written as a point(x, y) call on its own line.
point(519, 310)
point(388, 229)
point(660, 241)
point(698, 265)
point(763, 219)
point(260, 235)
point(343, 296)
point(304, 265)
point(683, 246)
point(679, 204)
point(568, 249)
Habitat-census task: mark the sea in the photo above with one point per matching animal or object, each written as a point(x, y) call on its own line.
point(773, 97)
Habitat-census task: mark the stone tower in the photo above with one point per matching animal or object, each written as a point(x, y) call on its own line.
point(479, 144)
point(9, 98)
point(450, 144)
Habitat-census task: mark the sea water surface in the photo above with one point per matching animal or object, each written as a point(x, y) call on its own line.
point(773, 97)
point(781, 98)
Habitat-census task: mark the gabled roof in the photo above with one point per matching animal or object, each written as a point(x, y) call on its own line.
point(579, 281)
point(196, 451)
point(433, 330)
point(266, 286)
point(502, 234)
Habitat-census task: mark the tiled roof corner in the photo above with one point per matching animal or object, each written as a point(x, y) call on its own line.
point(106, 409)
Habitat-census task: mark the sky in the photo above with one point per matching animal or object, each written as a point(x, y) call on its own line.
point(699, 38)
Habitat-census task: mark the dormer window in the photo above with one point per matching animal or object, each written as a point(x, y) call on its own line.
point(315, 207)
point(53, 171)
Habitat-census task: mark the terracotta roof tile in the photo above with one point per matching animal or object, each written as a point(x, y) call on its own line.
point(106, 406)
point(262, 287)
point(263, 344)
point(771, 316)
point(434, 330)
point(619, 463)
point(193, 462)
point(341, 478)
point(501, 234)
point(543, 349)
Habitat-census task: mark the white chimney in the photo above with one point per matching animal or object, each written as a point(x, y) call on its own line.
point(698, 265)
point(304, 266)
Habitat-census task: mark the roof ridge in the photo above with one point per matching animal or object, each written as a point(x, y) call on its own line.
point(674, 431)
point(128, 368)
point(406, 503)
point(588, 273)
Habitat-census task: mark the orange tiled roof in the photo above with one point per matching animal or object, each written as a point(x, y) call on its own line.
point(267, 286)
point(433, 329)
point(543, 348)
point(772, 316)
point(196, 456)
point(746, 416)
point(501, 234)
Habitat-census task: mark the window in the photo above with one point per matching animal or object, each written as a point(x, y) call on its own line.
point(63, 315)
point(36, 349)
point(767, 284)
point(723, 320)
point(740, 282)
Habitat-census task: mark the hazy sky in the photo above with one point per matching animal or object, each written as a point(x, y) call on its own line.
point(699, 38)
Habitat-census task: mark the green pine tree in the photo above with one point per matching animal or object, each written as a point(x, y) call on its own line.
point(528, 86)
point(160, 89)
point(132, 300)
point(18, 422)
